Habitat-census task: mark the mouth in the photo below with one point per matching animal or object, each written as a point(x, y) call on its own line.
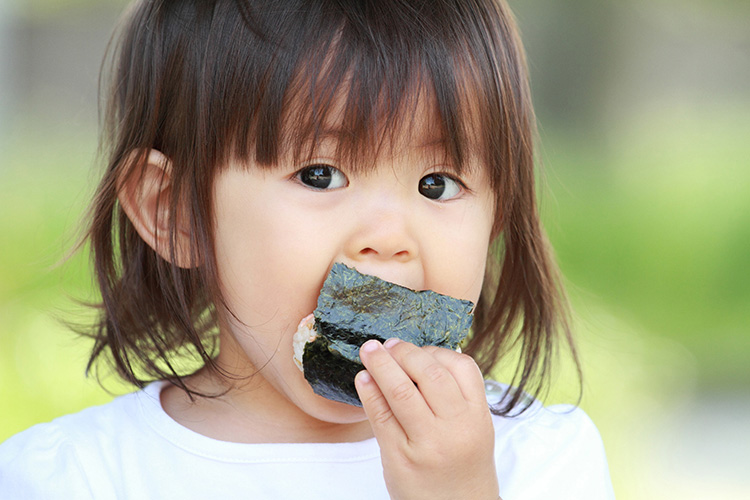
point(353, 308)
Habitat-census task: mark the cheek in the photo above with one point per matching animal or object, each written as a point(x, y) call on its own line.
point(254, 264)
point(465, 272)
point(272, 260)
point(461, 255)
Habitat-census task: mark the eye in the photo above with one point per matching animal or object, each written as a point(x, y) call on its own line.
point(439, 187)
point(322, 177)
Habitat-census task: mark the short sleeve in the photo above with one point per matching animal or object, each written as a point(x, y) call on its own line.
point(555, 453)
point(40, 463)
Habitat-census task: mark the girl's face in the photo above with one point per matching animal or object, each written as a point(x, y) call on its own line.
point(409, 220)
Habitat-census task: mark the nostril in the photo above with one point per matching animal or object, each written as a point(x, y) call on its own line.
point(372, 252)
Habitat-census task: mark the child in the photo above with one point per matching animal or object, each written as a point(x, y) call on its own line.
point(253, 144)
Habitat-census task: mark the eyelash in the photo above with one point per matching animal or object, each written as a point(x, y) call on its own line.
point(320, 176)
point(429, 189)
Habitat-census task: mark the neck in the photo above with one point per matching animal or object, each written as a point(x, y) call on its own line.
point(251, 411)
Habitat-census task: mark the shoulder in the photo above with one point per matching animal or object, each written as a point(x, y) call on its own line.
point(551, 449)
point(42, 462)
point(557, 427)
point(55, 458)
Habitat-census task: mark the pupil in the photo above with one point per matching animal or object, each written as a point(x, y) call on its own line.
point(432, 186)
point(318, 176)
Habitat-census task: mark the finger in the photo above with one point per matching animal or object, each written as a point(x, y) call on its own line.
point(465, 372)
point(435, 382)
point(384, 423)
point(398, 389)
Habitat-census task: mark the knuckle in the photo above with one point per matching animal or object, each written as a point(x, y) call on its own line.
point(403, 392)
point(467, 363)
point(377, 360)
point(405, 351)
point(372, 399)
point(378, 364)
point(432, 348)
point(382, 416)
point(435, 372)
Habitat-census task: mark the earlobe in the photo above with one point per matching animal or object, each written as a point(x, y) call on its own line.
point(144, 190)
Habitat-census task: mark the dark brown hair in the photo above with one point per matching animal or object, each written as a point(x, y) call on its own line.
point(208, 81)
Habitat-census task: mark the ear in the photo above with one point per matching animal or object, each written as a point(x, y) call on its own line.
point(145, 195)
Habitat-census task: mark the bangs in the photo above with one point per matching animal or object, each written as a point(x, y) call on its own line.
point(368, 75)
point(367, 109)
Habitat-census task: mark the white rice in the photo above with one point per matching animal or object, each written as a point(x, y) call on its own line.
point(305, 333)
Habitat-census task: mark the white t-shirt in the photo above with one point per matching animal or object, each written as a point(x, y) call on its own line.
point(131, 449)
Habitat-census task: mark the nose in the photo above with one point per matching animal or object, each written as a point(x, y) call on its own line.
point(382, 235)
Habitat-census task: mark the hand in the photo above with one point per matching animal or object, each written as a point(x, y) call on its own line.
point(430, 416)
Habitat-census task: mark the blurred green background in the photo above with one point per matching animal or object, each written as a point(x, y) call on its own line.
point(644, 110)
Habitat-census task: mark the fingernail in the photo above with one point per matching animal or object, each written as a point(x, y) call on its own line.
point(370, 346)
point(364, 377)
point(392, 341)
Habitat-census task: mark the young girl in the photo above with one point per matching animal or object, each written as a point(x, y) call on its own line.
point(252, 145)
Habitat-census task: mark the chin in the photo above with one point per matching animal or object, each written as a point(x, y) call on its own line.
point(325, 410)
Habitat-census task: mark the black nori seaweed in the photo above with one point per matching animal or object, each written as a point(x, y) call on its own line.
point(330, 374)
point(354, 307)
